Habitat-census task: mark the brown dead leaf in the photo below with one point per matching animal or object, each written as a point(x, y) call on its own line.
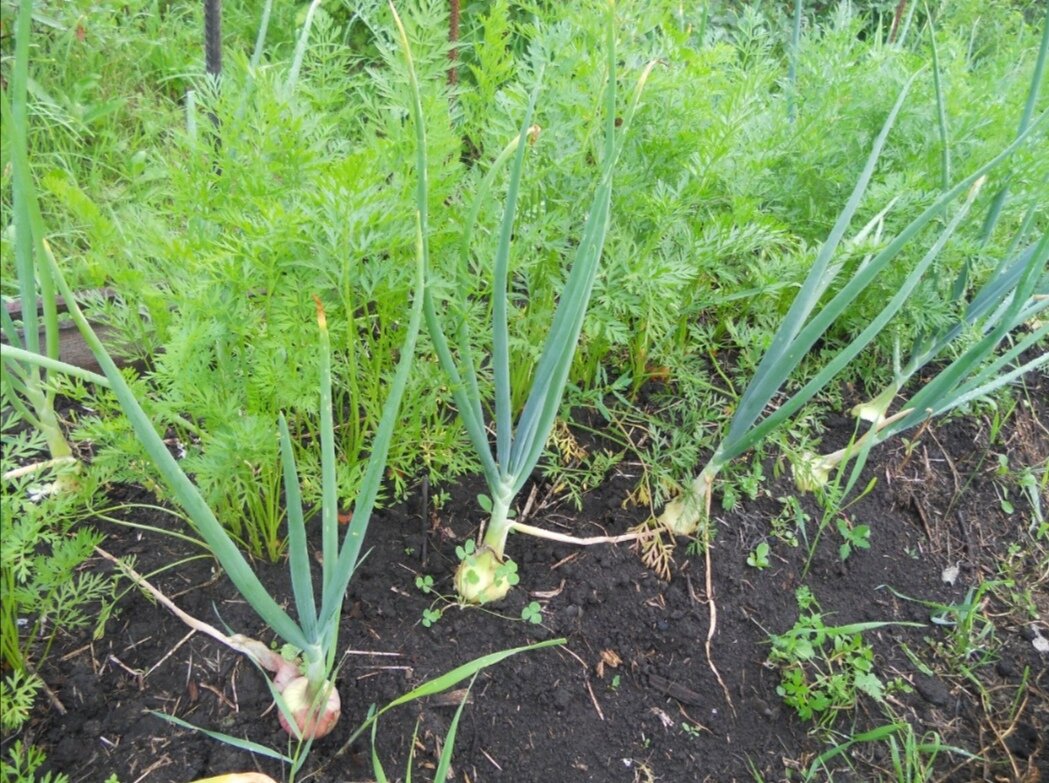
point(548, 594)
point(608, 658)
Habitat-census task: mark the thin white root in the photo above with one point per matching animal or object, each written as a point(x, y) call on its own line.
point(262, 655)
point(304, 720)
point(713, 628)
point(563, 538)
point(709, 645)
point(36, 467)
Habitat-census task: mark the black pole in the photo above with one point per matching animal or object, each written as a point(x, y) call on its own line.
point(213, 37)
point(213, 61)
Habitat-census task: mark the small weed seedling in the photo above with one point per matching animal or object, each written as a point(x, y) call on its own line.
point(971, 635)
point(1001, 473)
point(691, 729)
point(970, 632)
point(532, 613)
point(759, 557)
point(791, 521)
point(431, 616)
point(913, 756)
point(856, 536)
point(824, 668)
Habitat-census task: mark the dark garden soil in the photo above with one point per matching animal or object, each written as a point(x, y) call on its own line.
point(631, 696)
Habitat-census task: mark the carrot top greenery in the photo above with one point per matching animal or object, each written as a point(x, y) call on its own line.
point(362, 253)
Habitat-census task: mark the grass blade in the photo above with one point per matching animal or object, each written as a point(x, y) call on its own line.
point(448, 680)
point(377, 770)
point(448, 749)
point(229, 739)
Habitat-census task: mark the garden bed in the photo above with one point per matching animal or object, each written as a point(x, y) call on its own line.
point(631, 696)
point(272, 240)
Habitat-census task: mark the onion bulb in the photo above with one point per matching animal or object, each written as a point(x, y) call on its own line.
point(314, 718)
point(483, 577)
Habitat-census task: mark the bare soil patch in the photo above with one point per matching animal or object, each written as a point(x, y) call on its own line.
point(613, 703)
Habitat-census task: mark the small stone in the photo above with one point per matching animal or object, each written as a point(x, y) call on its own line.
point(1007, 669)
point(562, 698)
point(764, 709)
point(932, 690)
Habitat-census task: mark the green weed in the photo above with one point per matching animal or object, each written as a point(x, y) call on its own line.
point(824, 669)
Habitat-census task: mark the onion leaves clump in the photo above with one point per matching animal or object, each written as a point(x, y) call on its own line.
point(485, 573)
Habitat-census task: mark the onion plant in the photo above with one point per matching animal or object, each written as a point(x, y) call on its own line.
point(309, 703)
point(1016, 294)
point(806, 322)
point(485, 573)
point(303, 670)
point(33, 397)
point(308, 699)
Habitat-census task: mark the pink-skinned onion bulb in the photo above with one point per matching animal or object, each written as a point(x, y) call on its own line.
point(314, 718)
